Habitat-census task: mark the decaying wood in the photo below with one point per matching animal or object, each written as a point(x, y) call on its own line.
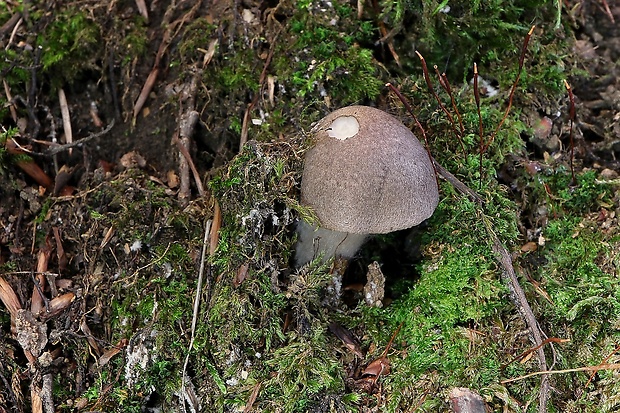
point(188, 118)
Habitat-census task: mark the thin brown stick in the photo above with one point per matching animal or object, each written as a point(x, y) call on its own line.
point(387, 39)
point(533, 349)
point(518, 297)
point(38, 299)
point(171, 31)
point(10, 24)
point(144, 93)
point(188, 117)
point(427, 78)
point(66, 117)
point(514, 87)
point(571, 112)
point(608, 11)
point(605, 360)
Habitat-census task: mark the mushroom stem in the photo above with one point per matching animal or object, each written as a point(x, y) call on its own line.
point(313, 242)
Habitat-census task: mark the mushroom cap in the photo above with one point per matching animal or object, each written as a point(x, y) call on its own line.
point(367, 173)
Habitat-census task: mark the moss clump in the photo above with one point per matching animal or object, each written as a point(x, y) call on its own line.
point(243, 339)
point(68, 45)
point(455, 34)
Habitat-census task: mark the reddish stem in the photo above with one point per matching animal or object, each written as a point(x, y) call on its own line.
point(571, 112)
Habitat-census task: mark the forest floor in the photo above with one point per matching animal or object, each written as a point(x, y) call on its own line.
point(151, 158)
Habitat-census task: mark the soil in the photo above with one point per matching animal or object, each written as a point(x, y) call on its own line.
point(71, 245)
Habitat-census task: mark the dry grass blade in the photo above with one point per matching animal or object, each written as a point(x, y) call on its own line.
point(66, 117)
point(29, 166)
point(144, 93)
point(201, 272)
point(533, 349)
point(9, 98)
point(210, 52)
point(214, 237)
point(347, 338)
point(143, 10)
point(253, 396)
point(614, 366)
point(108, 354)
point(603, 362)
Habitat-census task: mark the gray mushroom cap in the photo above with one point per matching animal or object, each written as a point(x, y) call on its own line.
point(367, 173)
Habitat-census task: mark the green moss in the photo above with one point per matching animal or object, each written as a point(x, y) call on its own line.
point(196, 39)
point(68, 45)
point(489, 33)
point(132, 40)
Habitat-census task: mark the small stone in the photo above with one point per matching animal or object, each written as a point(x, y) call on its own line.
point(374, 290)
point(608, 174)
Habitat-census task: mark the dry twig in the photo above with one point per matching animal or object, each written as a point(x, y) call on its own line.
point(203, 267)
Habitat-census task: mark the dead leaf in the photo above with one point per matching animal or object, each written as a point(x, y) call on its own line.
point(56, 306)
point(109, 353)
point(529, 247)
point(347, 338)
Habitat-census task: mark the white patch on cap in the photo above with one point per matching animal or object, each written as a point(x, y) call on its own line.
point(344, 127)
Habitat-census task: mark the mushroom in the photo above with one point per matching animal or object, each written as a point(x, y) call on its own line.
point(366, 174)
